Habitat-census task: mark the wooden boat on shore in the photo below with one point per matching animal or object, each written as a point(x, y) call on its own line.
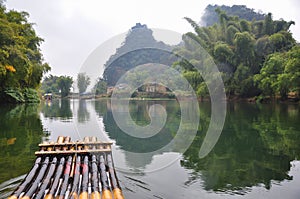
point(66, 169)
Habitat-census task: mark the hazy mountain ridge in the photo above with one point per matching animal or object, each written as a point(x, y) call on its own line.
point(210, 17)
point(139, 48)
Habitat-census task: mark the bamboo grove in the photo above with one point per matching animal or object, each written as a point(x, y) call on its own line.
point(256, 58)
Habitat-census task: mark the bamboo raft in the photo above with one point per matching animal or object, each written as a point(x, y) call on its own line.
point(65, 169)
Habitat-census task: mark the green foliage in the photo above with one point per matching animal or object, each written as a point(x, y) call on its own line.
point(100, 87)
point(280, 73)
point(230, 34)
point(49, 84)
point(244, 51)
point(21, 62)
point(64, 84)
point(267, 77)
point(268, 27)
point(253, 55)
point(56, 84)
point(263, 46)
point(194, 78)
point(242, 81)
point(83, 81)
point(13, 95)
point(292, 69)
point(223, 53)
point(31, 95)
point(282, 41)
point(202, 90)
point(245, 25)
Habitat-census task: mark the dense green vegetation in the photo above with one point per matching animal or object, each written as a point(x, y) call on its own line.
point(57, 85)
point(254, 57)
point(100, 87)
point(21, 62)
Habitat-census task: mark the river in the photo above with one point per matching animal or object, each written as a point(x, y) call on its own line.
point(256, 156)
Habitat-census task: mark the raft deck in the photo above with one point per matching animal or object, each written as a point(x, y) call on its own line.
point(66, 169)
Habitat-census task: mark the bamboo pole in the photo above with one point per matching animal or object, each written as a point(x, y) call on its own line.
point(48, 175)
point(55, 183)
point(94, 174)
point(106, 194)
point(85, 178)
point(67, 170)
point(41, 191)
point(94, 179)
point(117, 192)
point(36, 180)
point(60, 139)
point(74, 189)
point(27, 179)
point(65, 182)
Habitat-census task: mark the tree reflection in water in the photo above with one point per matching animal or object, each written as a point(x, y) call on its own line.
point(256, 147)
point(21, 132)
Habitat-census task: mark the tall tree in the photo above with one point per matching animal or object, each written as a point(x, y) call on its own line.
point(244, 48)
point(83, 81)
point(268, 27)
point(50, 84)
point(64, 85)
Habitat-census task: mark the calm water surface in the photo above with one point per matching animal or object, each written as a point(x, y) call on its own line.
point(256, 156)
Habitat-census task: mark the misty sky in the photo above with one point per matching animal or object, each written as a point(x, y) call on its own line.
point(72, 29)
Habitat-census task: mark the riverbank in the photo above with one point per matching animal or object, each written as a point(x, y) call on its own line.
point(256, 99)
point(265, 100)
point(17, 96)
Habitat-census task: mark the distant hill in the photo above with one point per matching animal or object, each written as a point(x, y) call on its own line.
point(210, 16)
point(139, 47)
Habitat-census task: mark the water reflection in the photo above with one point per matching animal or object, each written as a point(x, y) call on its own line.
point(82, 112)
point(128, 144)
point(256, 147)
point(21, 132)
point(139, 113)
point(58, 110)
point(74, 118)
